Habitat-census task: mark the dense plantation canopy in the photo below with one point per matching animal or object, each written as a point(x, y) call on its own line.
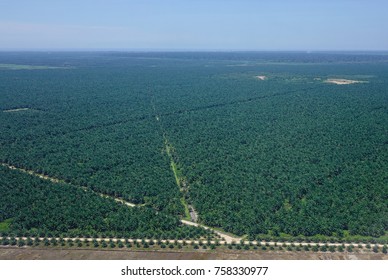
point(30, 205)
point(285, 154)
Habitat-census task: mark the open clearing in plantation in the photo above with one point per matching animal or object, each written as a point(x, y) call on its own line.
point(181, 146)
point(343, 81)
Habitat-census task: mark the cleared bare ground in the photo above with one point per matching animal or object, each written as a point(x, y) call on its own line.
point(12, 253)
point(343, 81)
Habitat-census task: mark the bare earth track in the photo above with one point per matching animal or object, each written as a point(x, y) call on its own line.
point(15, 110)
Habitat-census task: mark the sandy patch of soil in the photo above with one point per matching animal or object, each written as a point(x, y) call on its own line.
point(343, 81)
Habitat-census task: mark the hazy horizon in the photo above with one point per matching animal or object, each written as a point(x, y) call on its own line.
point(172, 25)
point(385, 52)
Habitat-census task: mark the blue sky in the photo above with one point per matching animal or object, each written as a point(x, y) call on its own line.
point(194, 24)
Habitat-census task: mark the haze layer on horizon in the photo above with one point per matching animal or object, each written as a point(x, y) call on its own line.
point(359, 25)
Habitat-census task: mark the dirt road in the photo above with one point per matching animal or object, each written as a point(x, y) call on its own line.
point(219, 254)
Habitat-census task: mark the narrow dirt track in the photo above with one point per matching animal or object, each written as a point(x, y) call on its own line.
point(226, 237)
